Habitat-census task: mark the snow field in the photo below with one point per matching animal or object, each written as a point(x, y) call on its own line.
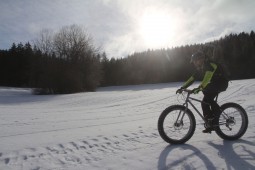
point(114, 128)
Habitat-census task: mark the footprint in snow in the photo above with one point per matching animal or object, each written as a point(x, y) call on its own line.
point(75, 145)
point(96, 140)
point(6, 160)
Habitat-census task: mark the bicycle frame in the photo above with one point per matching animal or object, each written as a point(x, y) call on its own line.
point(188, 101)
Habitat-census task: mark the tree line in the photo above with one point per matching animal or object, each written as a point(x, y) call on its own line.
point(68, 62)
point(235, 52)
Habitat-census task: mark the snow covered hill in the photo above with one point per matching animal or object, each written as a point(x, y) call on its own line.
point(114, 128)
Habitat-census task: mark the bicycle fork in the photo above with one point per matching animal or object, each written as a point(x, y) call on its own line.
point(179, 120)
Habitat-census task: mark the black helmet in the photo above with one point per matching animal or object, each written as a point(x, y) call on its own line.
point(196, 56)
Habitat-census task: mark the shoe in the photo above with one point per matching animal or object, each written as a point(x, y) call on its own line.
point(208, 130)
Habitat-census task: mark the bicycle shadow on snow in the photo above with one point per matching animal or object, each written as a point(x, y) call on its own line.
point(236, 153)
point(183, 162)
point(227, 151)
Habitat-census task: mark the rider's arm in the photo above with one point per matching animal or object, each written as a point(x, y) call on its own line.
point(208, 75)
point(188, 82)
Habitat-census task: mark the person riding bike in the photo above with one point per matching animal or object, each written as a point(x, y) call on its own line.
point(214, 81)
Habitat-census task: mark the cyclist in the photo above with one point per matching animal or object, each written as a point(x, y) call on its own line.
point(214, 81)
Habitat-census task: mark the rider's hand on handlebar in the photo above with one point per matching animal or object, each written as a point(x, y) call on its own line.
point(179, 91)
point(196, 90)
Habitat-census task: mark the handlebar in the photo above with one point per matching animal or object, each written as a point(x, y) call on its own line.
point(195, 90)
point(187, 90)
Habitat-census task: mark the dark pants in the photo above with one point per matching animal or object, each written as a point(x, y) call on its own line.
point(209, 105)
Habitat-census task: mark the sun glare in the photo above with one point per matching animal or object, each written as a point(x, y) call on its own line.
point(156, 28)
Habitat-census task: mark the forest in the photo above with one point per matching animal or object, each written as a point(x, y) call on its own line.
point(235, 52)
point(68, 62)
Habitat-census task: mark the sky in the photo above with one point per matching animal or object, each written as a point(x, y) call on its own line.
point(122, 27)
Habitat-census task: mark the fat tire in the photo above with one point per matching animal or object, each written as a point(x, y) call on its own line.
point(244, 125)
point(161, 125)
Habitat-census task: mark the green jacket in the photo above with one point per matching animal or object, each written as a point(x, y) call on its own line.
point(211, 73)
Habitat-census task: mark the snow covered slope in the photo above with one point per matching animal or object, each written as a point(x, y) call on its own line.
point(114, 128)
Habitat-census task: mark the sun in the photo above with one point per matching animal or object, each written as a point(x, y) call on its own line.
point(156, 28)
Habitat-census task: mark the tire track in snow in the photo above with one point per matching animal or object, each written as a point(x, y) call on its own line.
point(237, 89)
point(95, 118)
point(80, 127)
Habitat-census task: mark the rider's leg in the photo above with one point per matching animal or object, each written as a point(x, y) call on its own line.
point(215, 108)
point(210, 92)
point(208, 104)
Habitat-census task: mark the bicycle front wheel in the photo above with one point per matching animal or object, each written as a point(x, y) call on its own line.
point(176, 124)
point(233, 122)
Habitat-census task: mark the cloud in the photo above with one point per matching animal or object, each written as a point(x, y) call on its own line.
point(197, 21)
point(114, 24)
point(218, 18)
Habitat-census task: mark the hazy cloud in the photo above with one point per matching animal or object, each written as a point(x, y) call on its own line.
point(114, 24)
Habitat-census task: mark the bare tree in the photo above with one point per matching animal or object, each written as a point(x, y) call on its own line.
point(73, 43)
point(75, 66)
point(44, 42)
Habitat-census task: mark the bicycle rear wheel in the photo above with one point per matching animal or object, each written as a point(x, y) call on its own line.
point(175, 125)
point(232, 122)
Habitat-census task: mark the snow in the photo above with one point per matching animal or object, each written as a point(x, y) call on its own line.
point(114, 128)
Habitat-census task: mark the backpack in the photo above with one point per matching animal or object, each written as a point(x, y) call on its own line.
point(223, 77)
